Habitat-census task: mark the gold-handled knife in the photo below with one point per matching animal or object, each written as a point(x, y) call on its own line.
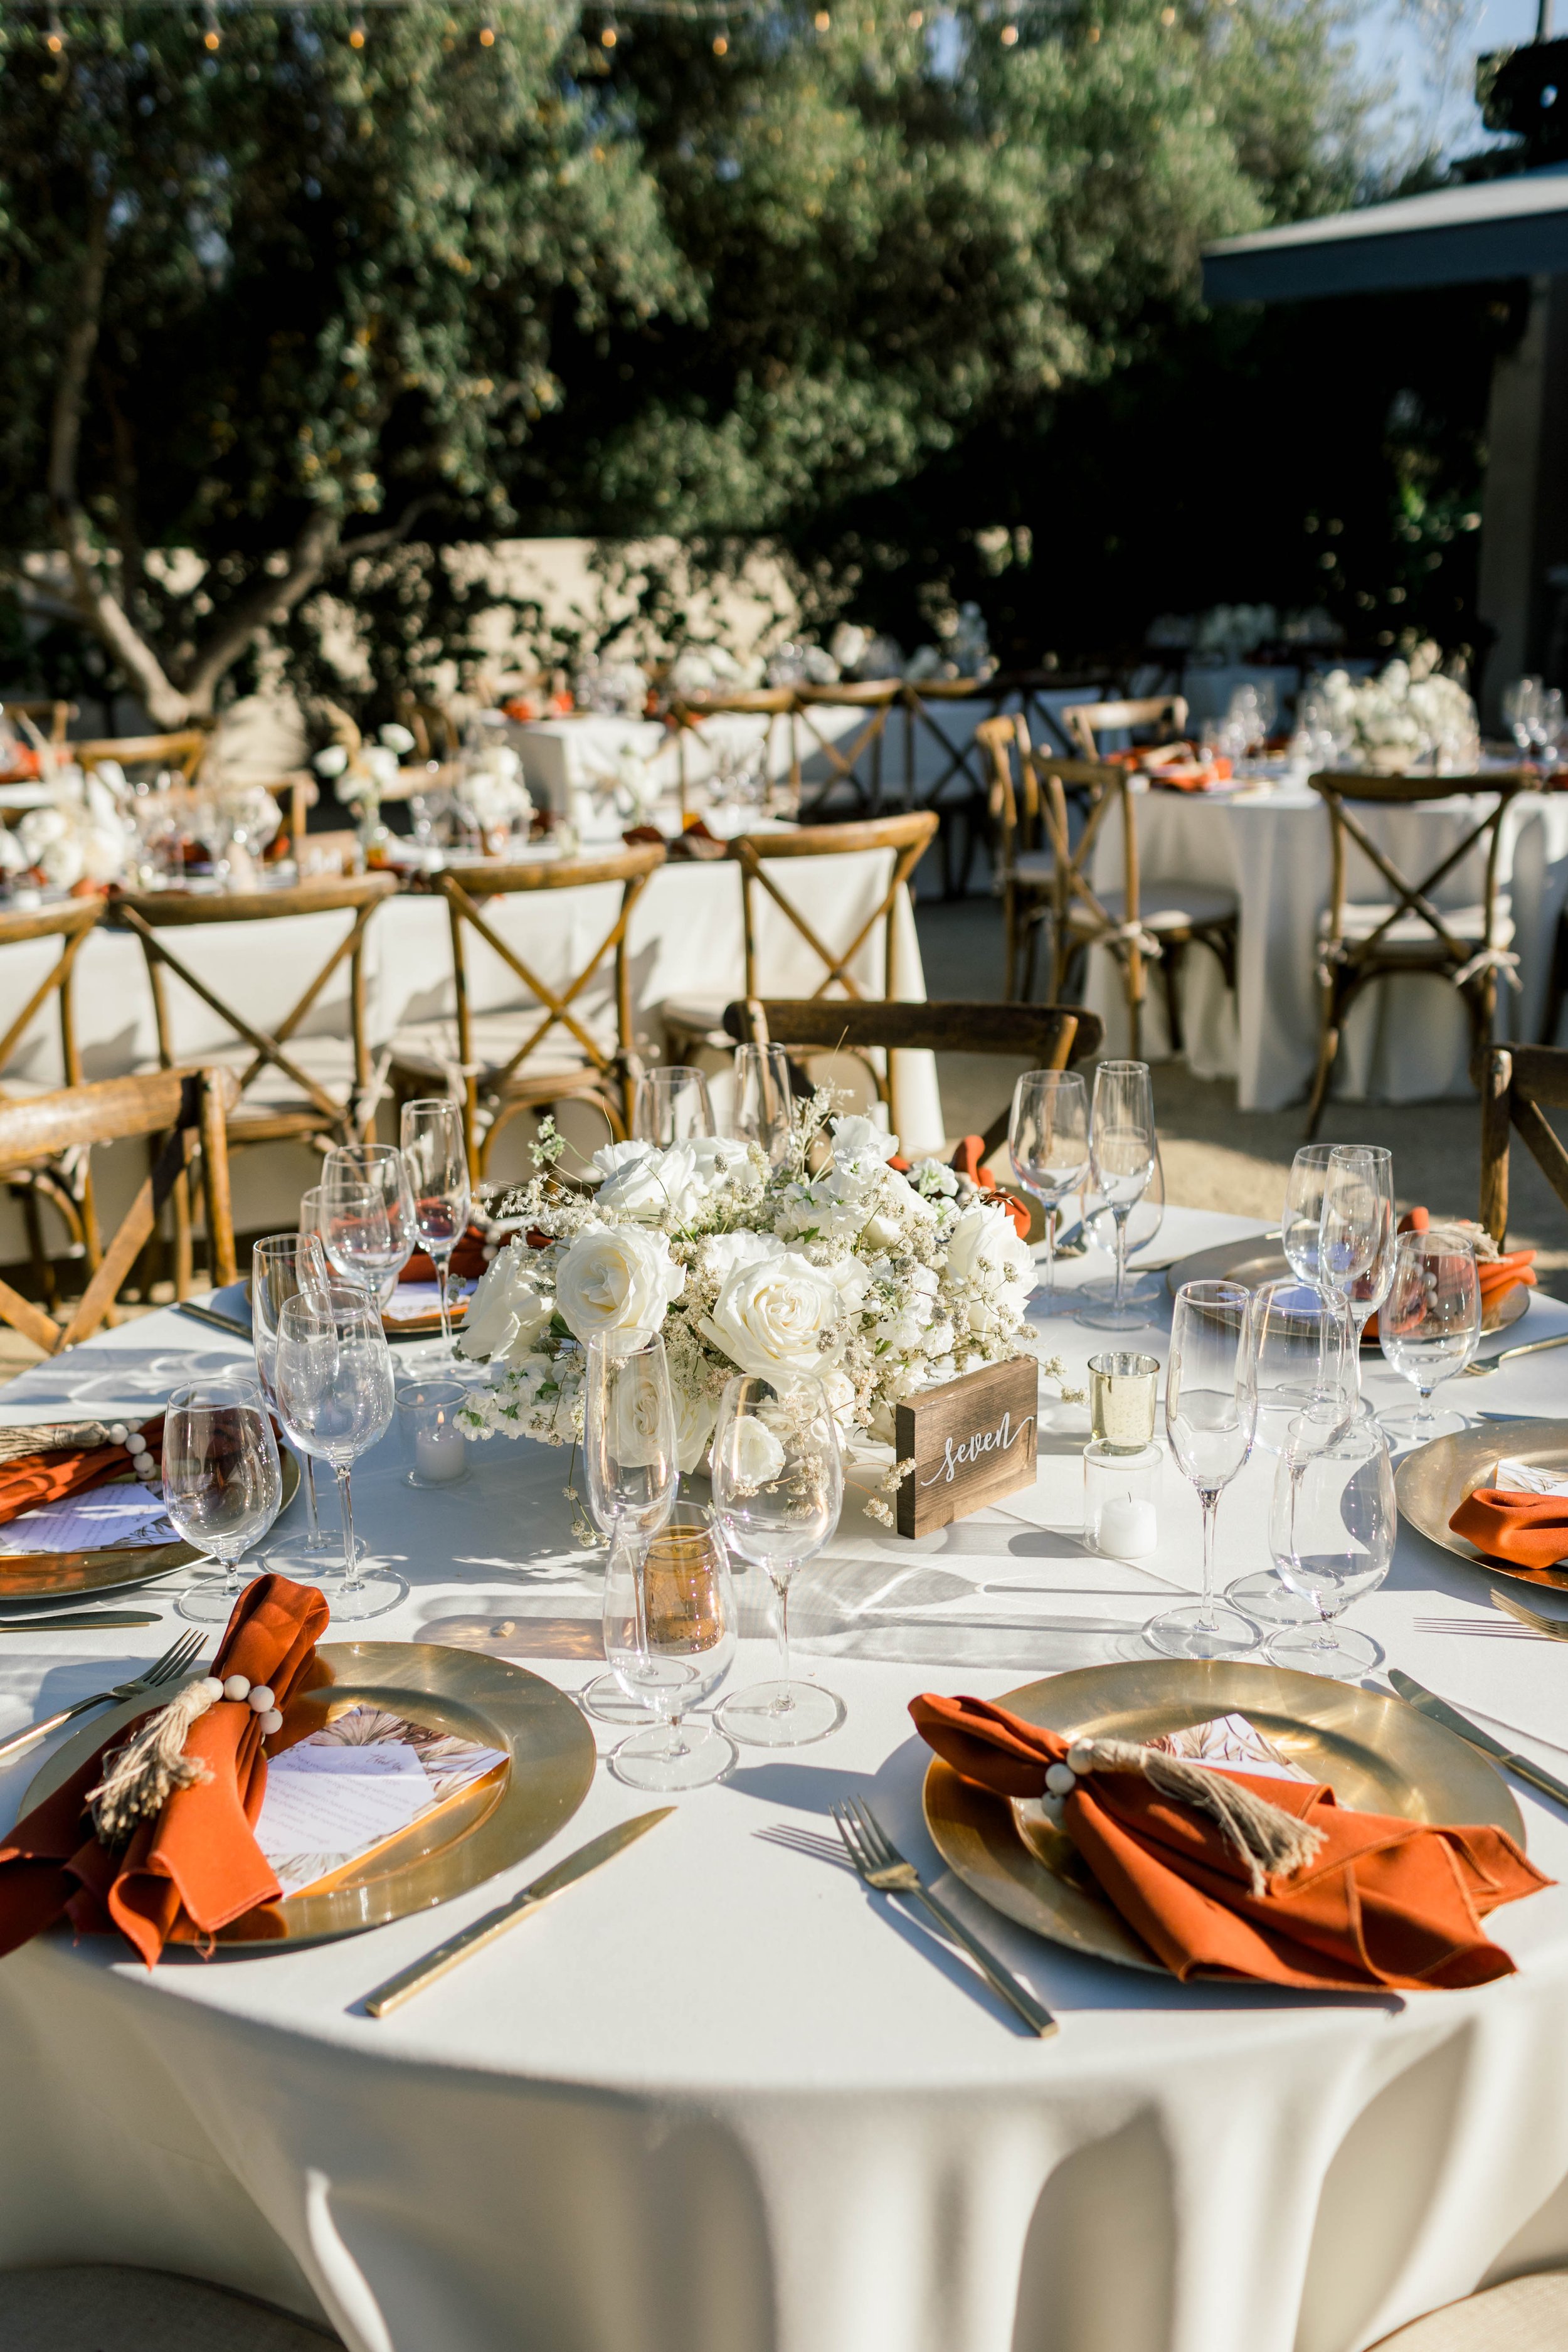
point(414, 1977)
point(1451, 1719)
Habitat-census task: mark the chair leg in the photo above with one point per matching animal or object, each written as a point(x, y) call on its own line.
point(1558, 988)
point(1169, 981)
point(1009, 943)
point(1328, 1055)
point(43, 1264)
point(184, 1248)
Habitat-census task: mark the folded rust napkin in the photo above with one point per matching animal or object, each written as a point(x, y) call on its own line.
point(191, 1867)
point(1521, 1530)
point(28, 1479)
point(1497, 1274)
point(1233, 1874)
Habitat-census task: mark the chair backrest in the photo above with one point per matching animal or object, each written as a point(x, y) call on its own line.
point(1341, 793)
point(1012, 802)
point(1166, 713)
point(1519, 1084)
point(842, 756)
point(183, 750)
point(69, 924)
point(154, 914)
point(39, 708)
point(906, 838)
point(189, 1108)
point(1046, 1037)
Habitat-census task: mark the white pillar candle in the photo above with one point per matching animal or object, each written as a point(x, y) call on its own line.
point(1128, 1528)
point(439, 1453)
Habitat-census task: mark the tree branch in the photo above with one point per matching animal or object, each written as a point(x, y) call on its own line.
point(270, 600)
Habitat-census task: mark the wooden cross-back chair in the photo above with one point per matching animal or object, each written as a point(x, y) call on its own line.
point(877, 698)
point(1162, 715)
point(1520, 1084)
point(528, 1058)
point(1046, 1037)
point(183, 750)
point(65, 1182)
point(49, 715)
point(186, 1109)
point(1025, 867)
point(687, 713)
point(1361, 942)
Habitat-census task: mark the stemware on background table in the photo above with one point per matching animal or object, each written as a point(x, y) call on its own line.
point(223, 1485)
point(1048, 1137)
point(631, 1466)
point(1429, 1326)
point(351, 1224)
point(672, 1107)
point(778, 1484)
point(281, 1267)
point(333, 1377)
point(669, 1626)
point(1122, 1160)
point(763, 1100)
point(1210, 1410)
point(1332, 1530)
point(436, 1159)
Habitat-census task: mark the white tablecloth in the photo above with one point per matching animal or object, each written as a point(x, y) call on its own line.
point(1406, 1040)
point(717, 2098)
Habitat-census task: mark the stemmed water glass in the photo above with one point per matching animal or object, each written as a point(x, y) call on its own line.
point(351, 1224)
point(1300, 1233)
point(1121, 1149)
point(1143, 1223)
point(670, 1636)
point(1355, 1246)
point(632, 1468)
point(380, 1168)
point(1047, 1137)
point(1331, 1529)
point(1294, 1335)
point(672, 1106)
point(1521, 706)
point(1210, 1410)
point(223, 1486)
point(334, 1377)
point(764, 1101)
point(436, 1158)
point(281, 1267)
point(778, 1483)
point(1430, 1324)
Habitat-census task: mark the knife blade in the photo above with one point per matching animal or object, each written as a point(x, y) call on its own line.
point(82, 1620)
point(230, 1323)
point(419, 1973)
point(1439, 1711)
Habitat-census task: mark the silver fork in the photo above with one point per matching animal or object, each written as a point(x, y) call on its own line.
point(881, 1866)
point(177, 1660)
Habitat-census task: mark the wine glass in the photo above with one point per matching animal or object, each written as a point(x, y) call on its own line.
point(1300, 1230)
point(1430, 1324)
point(1122, 1151)
point(632, 1468)
point(1047, 1137)
point(778, 1483)
point(763, 1100)
point(437, 1159)
point(1331, 1529)
point(672, 1106)
point(354, 1228)
point(223, 1486)
point(1294, 1336)
point(1355, 1245)
point(670, 1636)
point(1211, 1411)
point(281, 1267)
point(380, 1168)
point(1143, 1223)
point(334, 1377)
point(1520, 704)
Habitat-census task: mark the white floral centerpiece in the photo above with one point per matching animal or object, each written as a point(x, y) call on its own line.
point(1407, 713)
point(878, 1283)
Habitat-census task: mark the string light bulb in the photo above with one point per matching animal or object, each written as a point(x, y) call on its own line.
point(487, 36)
point(823, 21)
point(1009, 36)
point(212, 38)
point(54, 38)
point(357, 33)
point(609, 36)
point(721, 45)
point(916, 18)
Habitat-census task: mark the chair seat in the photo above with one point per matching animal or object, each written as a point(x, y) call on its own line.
point(272, 1097)
point(698, 1016)
point(1165, 907)
point(428, 1049)
point(1411, 940)
point(107, 2304)
point(1034, 865)
point(1527, 2315)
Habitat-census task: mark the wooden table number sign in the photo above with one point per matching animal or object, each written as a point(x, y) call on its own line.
point(972, 1442)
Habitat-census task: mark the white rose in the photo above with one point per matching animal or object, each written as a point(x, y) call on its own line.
point(659, 1185)
point(723, 1253)
point(752, 1454)
point(611, 1158)
point(861, 1138)
point(776, 1313)
point(642, 1432)
point(985, 1240)
point(616, 1278)
point(694, 1416)
point(720, 1160)
point(508, 1313)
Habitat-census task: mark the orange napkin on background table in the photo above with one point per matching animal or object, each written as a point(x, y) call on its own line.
point(1496, 1275)
point(1386, 1904)
point(184, 1875)
point(30, 1479)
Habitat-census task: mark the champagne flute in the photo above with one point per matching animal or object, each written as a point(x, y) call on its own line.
point(763, 1100)
point(1355, 1245)
point(1294, 1334)
point(1047, 1137)
point(381, 1169)
point(281, 1267)
point(1301, 1231)
point(333, 1376)
point(223, 1486)
point(1430, 1324)
point(1211, 1411)
point(672, 1106)
point(437, 1159)
point(778, 1483)
point(1121, 1147)
point(1331, 1529)
point(631, 1465)
point(670, 1636)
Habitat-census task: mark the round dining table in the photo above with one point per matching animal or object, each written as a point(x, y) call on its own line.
point(719, 2096)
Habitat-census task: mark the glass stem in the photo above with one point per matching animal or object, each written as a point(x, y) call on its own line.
point(230, 1579)
point(1209, 1499)
point(345, 1504)
point(442, 1264)
point(315, 1540)
point(1050, 1283)
point(781, 1586)
point(1120, 1217)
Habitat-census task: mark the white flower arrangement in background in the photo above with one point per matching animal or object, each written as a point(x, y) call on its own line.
point(82, 836)
point(877, 1283)
point(1408, 713)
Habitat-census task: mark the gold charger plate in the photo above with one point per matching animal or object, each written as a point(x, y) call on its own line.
point(487, 1828)
point(421, 1327)
point(1431, 1484)
point(1252, 1261)
point(51, 1575)
point(1374, 1752)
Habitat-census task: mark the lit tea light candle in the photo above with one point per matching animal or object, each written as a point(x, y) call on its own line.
point(1129, 1529)
point(439, 1453)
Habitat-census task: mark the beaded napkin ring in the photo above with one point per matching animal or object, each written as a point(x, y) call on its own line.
point(128, 1434)
point(1269, 1840)
point(144, 1774)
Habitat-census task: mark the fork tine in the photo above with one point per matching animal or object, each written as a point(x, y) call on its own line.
point(176, 1658)
point(848, 1830)
point(883, 1852)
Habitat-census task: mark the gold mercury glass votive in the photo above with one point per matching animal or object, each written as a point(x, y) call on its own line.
point(1121, 1389)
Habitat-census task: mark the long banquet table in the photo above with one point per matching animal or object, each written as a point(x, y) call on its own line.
point(720, 2099)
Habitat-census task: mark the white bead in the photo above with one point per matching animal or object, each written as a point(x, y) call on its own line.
point(141, 1464)
point(211, 1687)
point(117, 1433)
point(1052, 1808)
point(237, 1686)
point(491, 1251)
point(1059, 1780)
point(1080, 1757)
point(261, 1698)
point(271, 1721)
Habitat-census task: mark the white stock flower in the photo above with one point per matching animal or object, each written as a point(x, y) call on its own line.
point(985, 1240)
point(932, 1177)
point(858, 1141)
point(395, 737)
point(616, 1278)
point(508, 1312)
point(332, 761)
point(694, 1416)
point(776, 1313)
point(752, 1454)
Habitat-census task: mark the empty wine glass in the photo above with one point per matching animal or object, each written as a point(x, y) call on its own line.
point(1430, 1324)
point(1300, 1233)
point(1295, 1335)
point(632, 1469)
point(1211, 1411)
point(1521, 701)
point(1332, 1527)
point(1355, 1245)
point(1047, 1137)
point(223, 1486)
point(380, 1168)
point(281, 1267)
point(672, 1106)
point(436, 1158)
point(1122, 1160)
point(1546, 725)
point(670, 1635)
point(1143, 1223)
point(778, 1482)
point(334, 1377)
point(764, 1101)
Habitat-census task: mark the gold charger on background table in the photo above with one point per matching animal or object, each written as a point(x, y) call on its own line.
point(1431, 1484)
point(422, 1327)
point(1253, 1261)
point(485, 1828)
point(1377, 1754)
point(51, 1575)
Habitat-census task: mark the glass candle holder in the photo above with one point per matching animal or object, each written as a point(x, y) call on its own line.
point(1121, 1392)
point(1121, 1500)
point(434, 1446)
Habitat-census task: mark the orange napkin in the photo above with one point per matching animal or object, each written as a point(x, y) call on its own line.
point(1180, 767)
point(1385, 1903)
point(965, 1161)
point(467, 1263)
point(197, 1866)
point(1496, 1275)
point(1522, 1530)
point(30, 1479)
